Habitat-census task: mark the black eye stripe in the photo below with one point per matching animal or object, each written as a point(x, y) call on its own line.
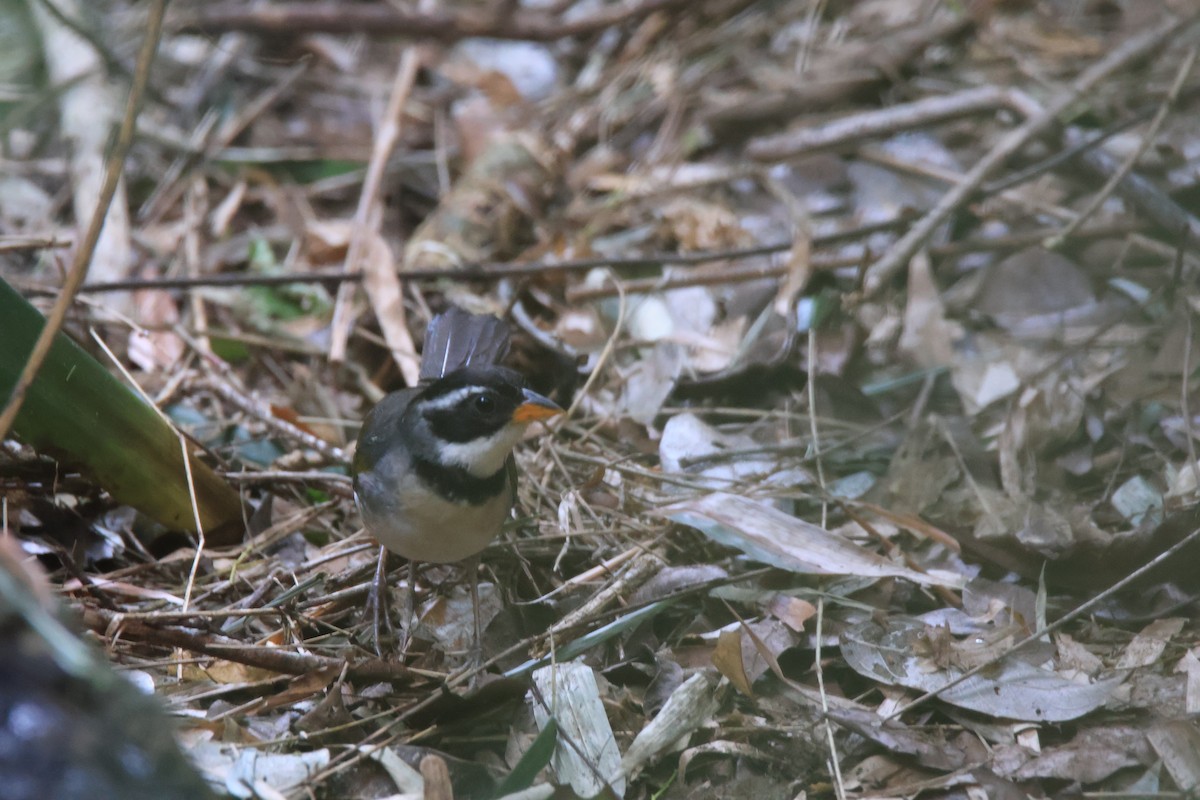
point(471, 416)
point(502, 381)
point(471, 403)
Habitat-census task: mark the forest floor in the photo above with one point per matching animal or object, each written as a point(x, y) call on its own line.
point(875, 321)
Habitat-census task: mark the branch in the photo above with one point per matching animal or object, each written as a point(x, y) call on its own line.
point(275, 659)
point(292, 19)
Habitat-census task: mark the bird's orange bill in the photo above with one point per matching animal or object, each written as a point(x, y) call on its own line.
point(536, 407)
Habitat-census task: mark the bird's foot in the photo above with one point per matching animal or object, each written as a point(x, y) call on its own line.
point(377, 605)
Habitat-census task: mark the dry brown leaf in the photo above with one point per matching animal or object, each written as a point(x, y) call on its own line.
point(928, 337)
point(304, 686)
point(226, 672)
point(791, 611)
point(1178, 745)
point(1148, 646)
point(1014, 689)
point(727, 658)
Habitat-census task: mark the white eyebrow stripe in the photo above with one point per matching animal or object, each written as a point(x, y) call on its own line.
point(451, 399)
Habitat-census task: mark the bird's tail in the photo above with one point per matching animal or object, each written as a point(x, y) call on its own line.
point(457, 339)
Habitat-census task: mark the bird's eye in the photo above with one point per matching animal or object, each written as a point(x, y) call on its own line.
point(484, 403)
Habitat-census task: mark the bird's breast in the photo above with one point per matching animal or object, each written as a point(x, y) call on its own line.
point(409, 519)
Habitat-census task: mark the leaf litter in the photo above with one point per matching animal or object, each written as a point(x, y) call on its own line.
point(853, 417)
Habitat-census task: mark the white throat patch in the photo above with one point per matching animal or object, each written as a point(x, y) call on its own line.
point(483, 457)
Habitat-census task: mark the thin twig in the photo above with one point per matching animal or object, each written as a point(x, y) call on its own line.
point(87, 246)
point(366, 220)
point(276, 659)
point(1123, 57)
point(582, 294)
point(1147, 139)
point(205, 142)
point(493, 271)
point(1058, 624)
point(19, 244)
point(391, 19)
point(262, 413)
point(847, 131)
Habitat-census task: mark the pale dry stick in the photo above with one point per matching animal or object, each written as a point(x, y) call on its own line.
point(1032, 238)
point(816, 9)
point(1185, 399)
point(849, 130)
point(1133, 49)
point(288, 476)
point(17, 244)
point(83, 255)
point(1168, 103)
point(640, 570)
point(812, 426)
point(276, 659)
point(609, 346)
point(87, 102)
point(195, 569)
point(187, 469)
point(1019, 198)
point(1160, 249)
point(1143, 194)
point(835, 766)
point(656, 477)
point(569, 521)
point(424, 22)
point(225, 51)
point(255, 409)
point(326, 557)
point(601, 361)
point(966, 471)
point(195, 205)
point(385, 141)
point(219, 613)
point(601, 570)
point(1059, 623)
point(187, 461)
point(666, 282)
point(192, 148)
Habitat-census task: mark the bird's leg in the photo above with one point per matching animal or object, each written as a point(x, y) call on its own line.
point(410, 607)
point(377, 600)
point(476, 654)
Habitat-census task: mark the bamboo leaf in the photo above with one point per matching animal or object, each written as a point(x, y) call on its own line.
point(81, 415)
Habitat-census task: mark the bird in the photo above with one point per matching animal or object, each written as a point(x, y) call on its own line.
point(434, 473)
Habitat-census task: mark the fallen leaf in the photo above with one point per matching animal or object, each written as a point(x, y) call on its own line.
point(591, 763)
point(727, 658)
point(1147, 647)
point(1013, 688)
point(766, 534)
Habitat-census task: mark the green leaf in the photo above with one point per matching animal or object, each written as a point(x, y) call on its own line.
point(78, 413)
point(534, 761)
point(266, 305)
point(623, 623)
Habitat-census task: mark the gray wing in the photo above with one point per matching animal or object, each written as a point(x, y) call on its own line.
point(457, 339)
